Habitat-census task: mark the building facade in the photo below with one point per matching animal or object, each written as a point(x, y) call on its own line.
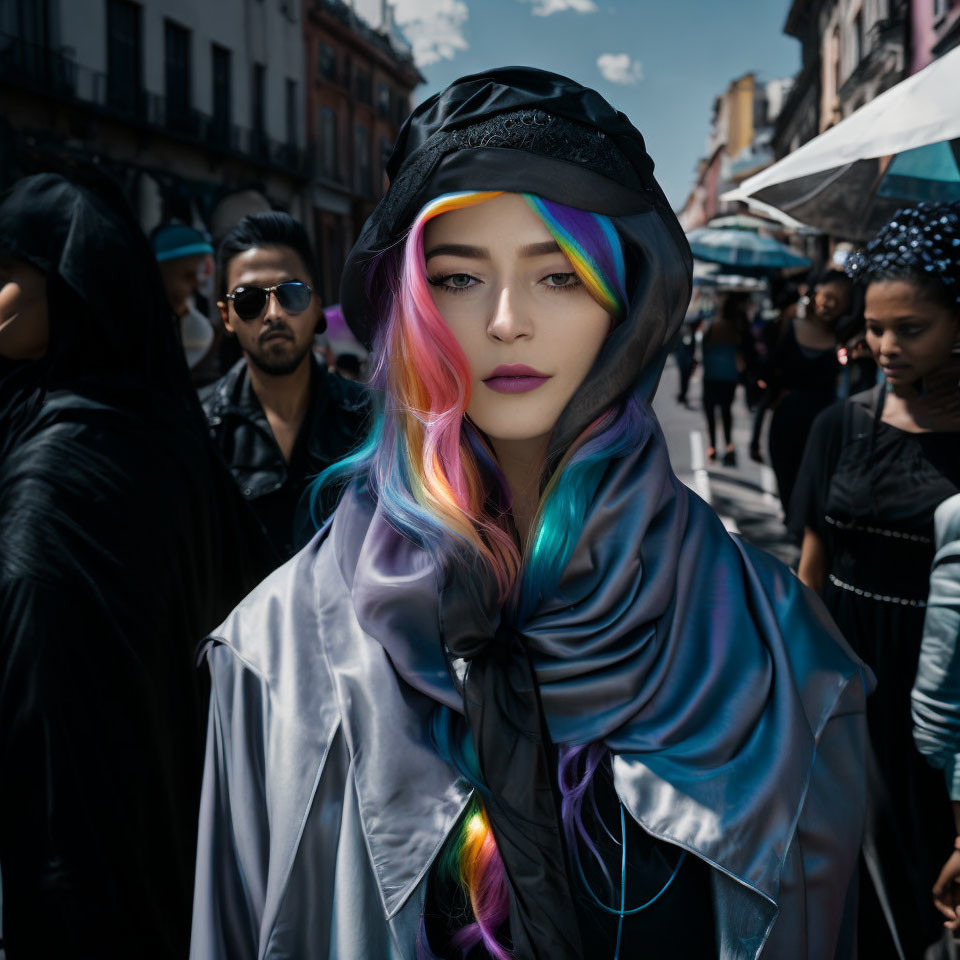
point(359, 81)
point(934, 29)
point(191, 105)
point(851, 51)
point(739, 145)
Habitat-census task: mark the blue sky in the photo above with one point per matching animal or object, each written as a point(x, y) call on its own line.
point(688, 51)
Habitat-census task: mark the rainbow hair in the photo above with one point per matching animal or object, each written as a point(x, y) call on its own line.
point(434, 474)
point(438, 481)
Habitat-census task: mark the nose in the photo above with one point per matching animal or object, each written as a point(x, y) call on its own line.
point(889, 345)
point(271, 311)
point(509, 321)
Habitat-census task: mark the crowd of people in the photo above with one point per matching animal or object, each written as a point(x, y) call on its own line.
point(859, 375)
point(476, 675)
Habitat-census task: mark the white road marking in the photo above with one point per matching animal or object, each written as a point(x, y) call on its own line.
point(701, 477)
point(768, 481)
point(698, 465)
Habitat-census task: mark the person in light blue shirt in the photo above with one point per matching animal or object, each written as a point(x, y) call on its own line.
point(936, 692)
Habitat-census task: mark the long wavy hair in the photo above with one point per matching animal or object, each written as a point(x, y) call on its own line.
point(438, 481)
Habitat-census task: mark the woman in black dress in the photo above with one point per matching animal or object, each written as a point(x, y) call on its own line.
point(803, 378)
point(875, 469)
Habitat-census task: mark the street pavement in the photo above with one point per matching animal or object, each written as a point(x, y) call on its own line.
point(744, 496)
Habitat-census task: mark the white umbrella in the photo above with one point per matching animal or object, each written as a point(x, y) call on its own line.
point(832, 181)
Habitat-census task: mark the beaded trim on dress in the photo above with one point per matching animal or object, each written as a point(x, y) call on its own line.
point(882, 597)
point(879, 531)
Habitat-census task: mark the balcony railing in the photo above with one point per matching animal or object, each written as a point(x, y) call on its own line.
point(51, 73)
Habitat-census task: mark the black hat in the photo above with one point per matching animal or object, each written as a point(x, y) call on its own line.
point(518, 129)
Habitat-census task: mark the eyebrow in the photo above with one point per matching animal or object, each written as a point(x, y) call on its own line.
point(540, 249)
point(458, 250)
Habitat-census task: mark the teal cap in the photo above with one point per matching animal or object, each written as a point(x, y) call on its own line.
point(174, 240)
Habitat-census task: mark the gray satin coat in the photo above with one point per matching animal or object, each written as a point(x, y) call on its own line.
point(936, 692)
point(324, 803)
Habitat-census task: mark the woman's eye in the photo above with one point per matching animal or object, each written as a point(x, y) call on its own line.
point(455, 282)
point(562, 280)
point(911, 330)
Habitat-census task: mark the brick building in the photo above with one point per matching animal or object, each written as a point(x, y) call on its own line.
point(359, 80)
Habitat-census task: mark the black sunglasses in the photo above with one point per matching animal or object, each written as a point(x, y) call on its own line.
point(292, 295)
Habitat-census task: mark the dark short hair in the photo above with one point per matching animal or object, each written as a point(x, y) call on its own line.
point(833, 276)
point(273, 229)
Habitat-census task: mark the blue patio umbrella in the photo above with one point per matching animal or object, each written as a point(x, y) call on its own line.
point(931, 172)
point(744, 249)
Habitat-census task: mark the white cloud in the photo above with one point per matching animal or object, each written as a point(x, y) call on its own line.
point(433, 27)
point(620, 68)
point(544, 8)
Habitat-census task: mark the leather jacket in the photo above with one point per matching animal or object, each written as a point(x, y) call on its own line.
point(335, 423)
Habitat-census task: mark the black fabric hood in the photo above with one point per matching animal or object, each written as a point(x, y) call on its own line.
point(519, 129)
point(110, 320)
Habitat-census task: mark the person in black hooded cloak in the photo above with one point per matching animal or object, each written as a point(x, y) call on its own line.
point(122, 541)
point(523, 696)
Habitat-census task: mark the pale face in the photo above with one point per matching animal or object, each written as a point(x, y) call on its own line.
point(831, 301)
point(276, 342)
point(24, 320)
point(528, 326)
point(181, 279)
point(909, 335)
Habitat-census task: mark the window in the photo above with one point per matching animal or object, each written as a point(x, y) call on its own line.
point(328, 152)
point(364, 87)
point(859, 40)
point(123, 55)
point(177, 73)
point(386, 147)
point(27, 20)
point(257, 108)
point(383, 100)
point(400, 109)
point(292, 112)
point(333, 253)
point(940, 8)
point(361, 160)
point(221, 92)
point(25, 41)
point(326, 62)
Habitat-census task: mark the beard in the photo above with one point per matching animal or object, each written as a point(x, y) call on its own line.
point(277, 366)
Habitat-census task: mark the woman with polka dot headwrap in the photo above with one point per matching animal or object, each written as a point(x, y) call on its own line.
point(875, 469)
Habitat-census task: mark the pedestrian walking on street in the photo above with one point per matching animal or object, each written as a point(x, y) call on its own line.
point(787, 299)
point(875, 470)
point(803, 375)
point(685, 355)
point(525, 696)
point(723, 365)
point(122, 542)
point(184, 254)
point(278, 417)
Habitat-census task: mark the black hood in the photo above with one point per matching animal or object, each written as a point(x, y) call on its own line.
point(110, 320)
point(523, 130)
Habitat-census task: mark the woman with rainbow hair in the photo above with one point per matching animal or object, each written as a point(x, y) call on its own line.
point(523, 696)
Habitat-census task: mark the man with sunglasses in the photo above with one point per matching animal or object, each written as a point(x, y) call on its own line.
point(278, 416)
